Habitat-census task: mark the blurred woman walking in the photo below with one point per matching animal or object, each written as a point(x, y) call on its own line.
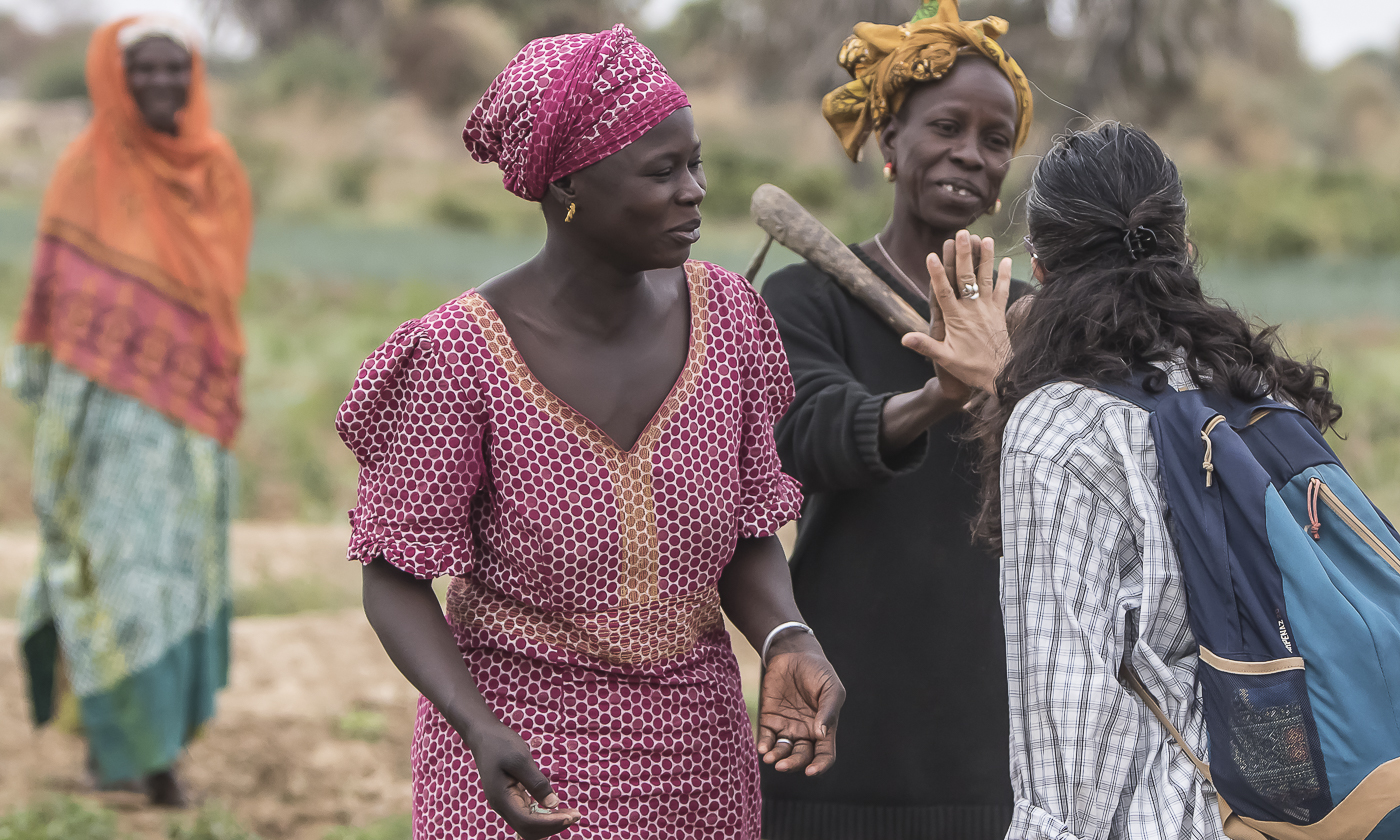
point(129, 350)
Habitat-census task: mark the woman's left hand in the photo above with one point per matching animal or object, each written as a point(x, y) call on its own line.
point(797, 713)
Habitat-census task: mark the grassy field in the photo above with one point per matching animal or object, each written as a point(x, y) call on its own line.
point(75, 819)
point(321, 297)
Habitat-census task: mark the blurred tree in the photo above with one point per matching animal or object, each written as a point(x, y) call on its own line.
point(1145, 54)
point(55, 68)
point(447, 53)
point(1137, 59)
point(1362, 113)
point(279, 23)
point(790, 45)
point(17, 47)
point(1142, 59)
point(702, 45)
point(316, 62)
point(539, 18)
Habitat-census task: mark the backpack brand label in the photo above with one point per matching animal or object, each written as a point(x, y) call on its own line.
point(1283, 633)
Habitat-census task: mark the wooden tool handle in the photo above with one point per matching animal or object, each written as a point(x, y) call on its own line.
point(799, 231)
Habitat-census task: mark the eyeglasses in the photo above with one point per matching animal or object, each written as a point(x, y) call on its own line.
point(1030, 249)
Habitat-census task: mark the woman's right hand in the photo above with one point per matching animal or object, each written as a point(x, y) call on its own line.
point(514, 786)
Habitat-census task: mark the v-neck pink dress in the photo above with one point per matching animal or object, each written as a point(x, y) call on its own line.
point(584, 578)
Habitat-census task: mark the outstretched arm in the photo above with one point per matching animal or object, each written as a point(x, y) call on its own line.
point(404, 612)
point(802, 695)
point(908, 415)
point(839, 434)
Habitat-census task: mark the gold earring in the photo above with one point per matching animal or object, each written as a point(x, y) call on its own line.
point(569, 216)
point(996, 208)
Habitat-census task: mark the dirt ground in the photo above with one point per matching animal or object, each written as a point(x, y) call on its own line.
point(312, 732)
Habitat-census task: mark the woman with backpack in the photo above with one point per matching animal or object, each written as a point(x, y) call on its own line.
point(1092, 584)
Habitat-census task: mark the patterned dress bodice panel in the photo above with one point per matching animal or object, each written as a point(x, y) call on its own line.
point(556, 535)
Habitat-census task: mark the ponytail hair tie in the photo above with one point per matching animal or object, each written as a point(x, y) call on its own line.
point(1141, 242)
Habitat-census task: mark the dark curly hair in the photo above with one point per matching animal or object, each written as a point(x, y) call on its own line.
point(1106, 306)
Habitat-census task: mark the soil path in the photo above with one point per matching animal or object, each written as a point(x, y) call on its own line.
point(313, 730)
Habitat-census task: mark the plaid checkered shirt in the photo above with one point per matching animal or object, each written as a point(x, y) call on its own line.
point(1086, 540)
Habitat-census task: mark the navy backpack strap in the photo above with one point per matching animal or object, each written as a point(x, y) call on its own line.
point(1241, 413)
point(1147, 389)
point(1144, 389)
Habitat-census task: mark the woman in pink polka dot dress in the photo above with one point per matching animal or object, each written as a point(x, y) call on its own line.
point(584, 444)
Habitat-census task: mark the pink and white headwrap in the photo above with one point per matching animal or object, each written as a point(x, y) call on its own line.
point(567, 102)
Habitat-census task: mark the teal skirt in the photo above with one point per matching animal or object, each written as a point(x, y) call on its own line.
point(131, 592)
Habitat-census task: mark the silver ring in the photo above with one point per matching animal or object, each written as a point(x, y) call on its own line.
point(970, 290)
point(787, 741)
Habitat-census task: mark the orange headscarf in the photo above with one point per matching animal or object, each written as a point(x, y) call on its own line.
point(142, 254)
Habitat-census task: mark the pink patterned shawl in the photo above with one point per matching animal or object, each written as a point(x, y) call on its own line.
point(567, 102)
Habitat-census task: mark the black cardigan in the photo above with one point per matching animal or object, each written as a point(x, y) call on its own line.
point(884, 571)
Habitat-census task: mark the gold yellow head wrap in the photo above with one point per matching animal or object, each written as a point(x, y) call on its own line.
point(885, 60)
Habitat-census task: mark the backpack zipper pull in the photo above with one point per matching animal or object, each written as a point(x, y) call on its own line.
point(1205, 436)
point(1314, 491)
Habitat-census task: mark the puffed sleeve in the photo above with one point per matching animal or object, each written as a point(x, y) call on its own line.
point(414, 420)
point(768, 497)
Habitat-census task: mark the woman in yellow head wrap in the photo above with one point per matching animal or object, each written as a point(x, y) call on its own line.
point(885, 61)
point(884, 568)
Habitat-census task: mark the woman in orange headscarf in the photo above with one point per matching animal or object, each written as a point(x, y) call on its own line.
point(129, 351)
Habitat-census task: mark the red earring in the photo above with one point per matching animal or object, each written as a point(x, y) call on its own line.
point(889, 172)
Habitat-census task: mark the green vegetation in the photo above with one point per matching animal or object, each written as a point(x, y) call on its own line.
point(213, 822)
point(16, 421)
point(1290, 213)
point(288, 597)
point(317, 63)
point(71, 818)
point(58, 78)
point(392, 828)
point(457, 211)
point(261, 160)
point(59, 71)
point(362, 725)
point(350, 179)
point(306, 340)
point(310, 325)
point(1364, 359)
point(733, 174)
point(59, 818)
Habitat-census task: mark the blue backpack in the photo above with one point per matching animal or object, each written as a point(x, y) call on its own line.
point(1293, 588)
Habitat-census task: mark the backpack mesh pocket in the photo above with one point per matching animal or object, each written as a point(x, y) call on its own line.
point(1265, 753)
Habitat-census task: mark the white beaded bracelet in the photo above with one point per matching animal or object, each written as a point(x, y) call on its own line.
point(772, 634)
